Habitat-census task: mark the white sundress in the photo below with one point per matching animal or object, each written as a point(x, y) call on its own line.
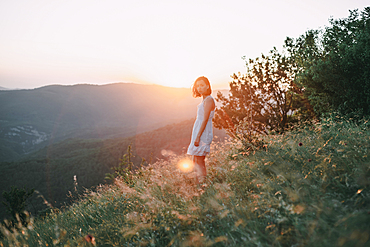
point(206, 138)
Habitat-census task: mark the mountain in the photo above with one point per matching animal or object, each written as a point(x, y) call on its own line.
point(51, 170)
point(32, 119)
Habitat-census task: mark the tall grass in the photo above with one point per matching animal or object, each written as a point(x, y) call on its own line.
point(308, 187)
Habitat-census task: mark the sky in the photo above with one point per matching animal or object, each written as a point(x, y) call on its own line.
point(169, 43)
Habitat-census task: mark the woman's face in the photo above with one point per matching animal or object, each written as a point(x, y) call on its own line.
point(202, 87)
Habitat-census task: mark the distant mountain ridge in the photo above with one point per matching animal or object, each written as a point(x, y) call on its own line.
point(31, 119)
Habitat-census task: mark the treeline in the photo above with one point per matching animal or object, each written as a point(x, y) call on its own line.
point(51, 170)
point(320, 72)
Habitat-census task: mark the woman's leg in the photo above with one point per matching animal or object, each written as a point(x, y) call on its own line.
point(200, 168)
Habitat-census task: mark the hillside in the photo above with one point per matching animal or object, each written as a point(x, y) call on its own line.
point(308, 187)
point(31, 119)
point(51, 170)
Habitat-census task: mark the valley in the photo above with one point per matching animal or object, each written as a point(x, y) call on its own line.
point(47, 141)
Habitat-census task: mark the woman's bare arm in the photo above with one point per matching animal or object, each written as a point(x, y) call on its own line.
point(209, 105)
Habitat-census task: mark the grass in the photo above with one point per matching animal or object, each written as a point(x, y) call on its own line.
point(308, 187)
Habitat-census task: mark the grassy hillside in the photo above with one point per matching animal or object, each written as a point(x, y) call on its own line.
point(51, 170)
point(308, 187)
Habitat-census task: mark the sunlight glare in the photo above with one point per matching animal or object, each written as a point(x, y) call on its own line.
point(185, 165)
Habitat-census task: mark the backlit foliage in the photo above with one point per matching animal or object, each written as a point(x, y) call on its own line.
point(266, 98)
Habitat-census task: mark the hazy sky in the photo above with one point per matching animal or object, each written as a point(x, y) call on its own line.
point(170, 43)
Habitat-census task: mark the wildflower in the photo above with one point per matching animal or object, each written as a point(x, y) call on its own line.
point(300, 144)
point(309, 160)
point(240, 221)
point(221, 239)
point(90, 239)
point(298, 209)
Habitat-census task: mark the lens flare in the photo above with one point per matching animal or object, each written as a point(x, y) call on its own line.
point(185, 165)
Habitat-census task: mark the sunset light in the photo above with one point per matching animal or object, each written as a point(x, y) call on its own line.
point(186, 165)
point(185, 123)
point(167, 43)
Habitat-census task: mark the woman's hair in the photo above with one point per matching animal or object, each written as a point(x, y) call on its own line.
point(194, 88)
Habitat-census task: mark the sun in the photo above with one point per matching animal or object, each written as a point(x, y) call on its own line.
point(185, 165)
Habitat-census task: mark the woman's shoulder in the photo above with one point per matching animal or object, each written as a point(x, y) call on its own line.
point(209, 100)
point(209, 97)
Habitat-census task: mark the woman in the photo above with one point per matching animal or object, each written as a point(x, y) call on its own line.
point(202, 135)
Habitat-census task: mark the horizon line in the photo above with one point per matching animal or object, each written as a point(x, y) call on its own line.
point(101, 84)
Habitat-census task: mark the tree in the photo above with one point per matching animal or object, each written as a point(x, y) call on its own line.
point(16, 202)
point(265, 99)
point(335, 65)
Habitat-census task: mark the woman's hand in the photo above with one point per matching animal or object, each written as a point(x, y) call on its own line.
point(196, 141)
